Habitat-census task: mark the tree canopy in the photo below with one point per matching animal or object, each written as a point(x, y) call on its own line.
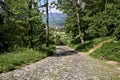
point(21, 24)
point(97, 17)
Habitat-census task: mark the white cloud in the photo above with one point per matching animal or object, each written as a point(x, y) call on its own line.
point(54, 10)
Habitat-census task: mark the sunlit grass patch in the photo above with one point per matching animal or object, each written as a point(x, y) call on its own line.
point(12, 60)
point(87, 45)
point(109, 51)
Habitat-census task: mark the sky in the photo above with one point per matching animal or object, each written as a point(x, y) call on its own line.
point(53, 10)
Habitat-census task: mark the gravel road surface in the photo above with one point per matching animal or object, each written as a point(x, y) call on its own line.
point(66, 64)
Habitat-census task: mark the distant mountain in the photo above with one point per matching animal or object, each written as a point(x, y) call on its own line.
point(55, 19)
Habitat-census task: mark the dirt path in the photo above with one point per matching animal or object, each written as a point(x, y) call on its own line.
point(95, 47)
point(98, 46)
point(66, 64)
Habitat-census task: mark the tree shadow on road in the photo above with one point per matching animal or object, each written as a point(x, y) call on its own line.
point(64, 52)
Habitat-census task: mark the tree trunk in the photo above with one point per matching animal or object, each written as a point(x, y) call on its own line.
point(30, 26)
point(47, 25)
point(78, 23)
point(105, 5)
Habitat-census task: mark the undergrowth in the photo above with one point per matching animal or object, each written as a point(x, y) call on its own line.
point(13, 60)
point(109, 51)
point(87, 45)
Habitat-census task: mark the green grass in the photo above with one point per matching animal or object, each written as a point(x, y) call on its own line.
point(13, 60)
point(109, 51)
point(87, 45)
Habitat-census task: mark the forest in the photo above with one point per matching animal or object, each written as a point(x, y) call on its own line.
point(88, 22)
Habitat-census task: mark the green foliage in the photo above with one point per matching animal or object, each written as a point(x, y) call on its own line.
point(97, 27)
point(109, 51)
point(71, 26)
point(17, 22)
point(23, 56)
point(59, 40)
point(69, 41)
point(117, 33)
point(14, 31)
point(87, 45)
point(98, 18)
point(104, 22)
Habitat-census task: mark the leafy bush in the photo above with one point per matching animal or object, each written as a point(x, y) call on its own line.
point(117, 33)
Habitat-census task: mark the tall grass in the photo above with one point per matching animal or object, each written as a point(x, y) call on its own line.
point(13, 60)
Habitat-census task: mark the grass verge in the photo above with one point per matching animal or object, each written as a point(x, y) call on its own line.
point(13, 60)
point(109, 51)
point(87, 45)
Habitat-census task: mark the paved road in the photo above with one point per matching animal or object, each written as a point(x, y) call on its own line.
point(66, 64)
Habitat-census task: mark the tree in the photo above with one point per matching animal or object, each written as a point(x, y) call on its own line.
point(30, 25)
point(65, 6)
point(21, 25)
point(94, 18)
point(78, 22)
point(103, 20)
point(47, 25)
